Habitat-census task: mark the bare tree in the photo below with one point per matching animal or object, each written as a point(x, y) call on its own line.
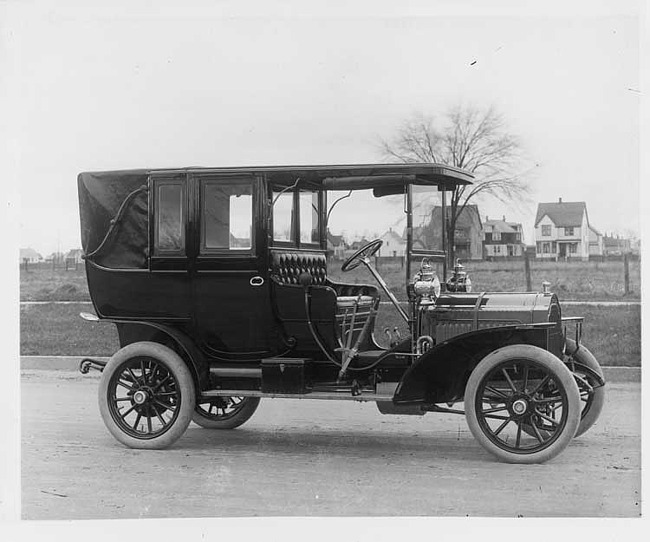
point(475, 140)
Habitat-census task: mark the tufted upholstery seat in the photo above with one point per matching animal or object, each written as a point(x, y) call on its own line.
point(332, 304)
point(286, 267)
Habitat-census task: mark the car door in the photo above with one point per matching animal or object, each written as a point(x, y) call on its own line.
point(230, 282)
point(166, 293)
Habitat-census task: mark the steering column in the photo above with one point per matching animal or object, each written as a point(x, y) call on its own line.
point(362, 256)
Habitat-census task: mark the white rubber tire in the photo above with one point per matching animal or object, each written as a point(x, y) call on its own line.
point(561, 375)
point(185, 384)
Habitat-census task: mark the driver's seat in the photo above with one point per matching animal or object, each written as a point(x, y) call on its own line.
point(339, 305)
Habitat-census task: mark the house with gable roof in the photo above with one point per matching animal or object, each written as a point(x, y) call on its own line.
point(562, 230)
point(596, 242)
point(29, 255)
point(394, 245)
point(502, 239)
point(336, 245)
point(468, 235)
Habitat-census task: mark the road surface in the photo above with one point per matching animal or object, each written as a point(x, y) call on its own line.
point(313, 458)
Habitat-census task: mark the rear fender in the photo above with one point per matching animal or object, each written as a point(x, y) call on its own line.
point(440, 375)
point(130, 332)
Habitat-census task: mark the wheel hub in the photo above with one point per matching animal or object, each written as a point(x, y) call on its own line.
point(140, 397)
point(520, 406)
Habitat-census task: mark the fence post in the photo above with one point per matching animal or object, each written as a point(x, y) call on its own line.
point(626, 271)
point(529, 282)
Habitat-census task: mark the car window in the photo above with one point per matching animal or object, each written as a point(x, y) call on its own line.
point(309, 227)
point(169, 234)
point(226, 214)
point(283, 216)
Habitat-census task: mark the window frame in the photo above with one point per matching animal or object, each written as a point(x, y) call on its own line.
point(202, 182)
point(546, 228)
point(295, 241)
point(276, 193)
point(317, 193)
point(569, 231)
point(156, 251)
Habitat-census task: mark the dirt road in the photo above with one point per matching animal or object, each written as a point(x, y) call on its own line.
point(313, 458)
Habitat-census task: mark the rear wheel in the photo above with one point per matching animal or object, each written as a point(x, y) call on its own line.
point(522, 404)
point(146, 396)
point(592, 395)
point(224, 412)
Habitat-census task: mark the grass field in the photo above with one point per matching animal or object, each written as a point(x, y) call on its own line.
point(612, 333)
point(576, 281)
point(594, 281)
point(42, 283)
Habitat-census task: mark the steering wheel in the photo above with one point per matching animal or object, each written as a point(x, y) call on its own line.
point(364, 252)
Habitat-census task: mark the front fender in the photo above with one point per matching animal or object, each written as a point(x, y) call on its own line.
point(440, 375)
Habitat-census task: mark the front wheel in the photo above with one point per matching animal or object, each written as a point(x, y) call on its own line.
point(522, 404)
point(224, 412)
point(146, 396)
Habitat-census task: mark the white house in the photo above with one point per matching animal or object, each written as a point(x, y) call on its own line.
point(336, 245)
point(562, 230)
point(394, 245)
point(29, 255)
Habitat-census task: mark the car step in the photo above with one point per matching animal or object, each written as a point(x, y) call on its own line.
point(332, 396)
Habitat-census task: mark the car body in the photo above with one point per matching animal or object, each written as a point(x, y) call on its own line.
point(218, 282)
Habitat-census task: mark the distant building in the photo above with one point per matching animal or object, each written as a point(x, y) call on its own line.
point(562, 230)
point(394, 245)
point(55, 257)
point(29, 255)
point(596, 247)
point(75, 255)
point(502, 239)
point(336, 245)
point(468, 235)
point(615, 245)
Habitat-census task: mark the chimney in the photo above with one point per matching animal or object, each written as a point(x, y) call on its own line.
point(504, 218)
point(487, 218)
point(560, 200)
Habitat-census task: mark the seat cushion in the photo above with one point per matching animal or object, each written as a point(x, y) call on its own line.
point(287, 266)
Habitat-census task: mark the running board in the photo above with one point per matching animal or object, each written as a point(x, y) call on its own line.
point(331, 396)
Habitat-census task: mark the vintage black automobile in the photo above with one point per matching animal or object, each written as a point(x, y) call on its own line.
point(218, 283)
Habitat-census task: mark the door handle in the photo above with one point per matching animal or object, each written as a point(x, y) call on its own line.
point(256, 281)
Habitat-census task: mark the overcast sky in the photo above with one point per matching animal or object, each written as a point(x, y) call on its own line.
point(117, 88)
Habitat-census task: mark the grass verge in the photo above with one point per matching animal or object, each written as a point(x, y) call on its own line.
point(58, 330)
